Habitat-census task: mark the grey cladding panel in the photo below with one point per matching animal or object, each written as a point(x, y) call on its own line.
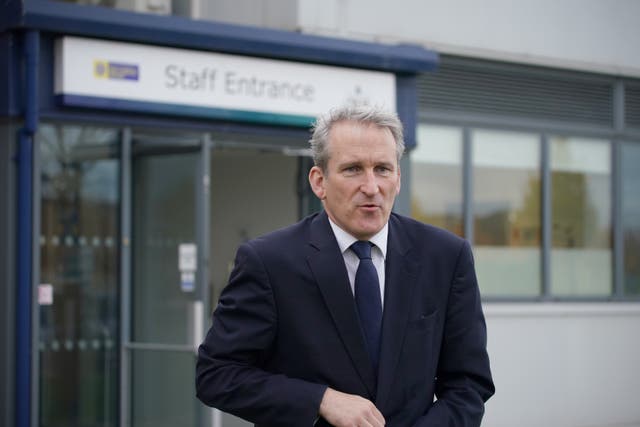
point(501, 89)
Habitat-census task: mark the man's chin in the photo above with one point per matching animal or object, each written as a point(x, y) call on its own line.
point(368, 230)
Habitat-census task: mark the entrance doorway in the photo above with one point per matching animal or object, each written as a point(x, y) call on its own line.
point(139, 231)
point(167, 287)
point(192, 202)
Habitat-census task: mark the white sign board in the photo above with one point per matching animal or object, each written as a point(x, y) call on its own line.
point(45, 294)
point(187, 257)
point(179, 81)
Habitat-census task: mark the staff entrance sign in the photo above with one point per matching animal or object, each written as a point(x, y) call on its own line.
point(152, 79)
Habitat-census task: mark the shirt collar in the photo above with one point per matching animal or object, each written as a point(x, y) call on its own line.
point(345, 240)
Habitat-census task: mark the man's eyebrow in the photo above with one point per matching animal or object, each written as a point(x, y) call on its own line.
point(348, 163)
point(386, 164)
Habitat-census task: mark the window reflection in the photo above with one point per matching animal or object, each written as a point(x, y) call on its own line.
point(79, 265)
point(581, 216)
point(631, 217)
point(436, 169)
point(506, 209)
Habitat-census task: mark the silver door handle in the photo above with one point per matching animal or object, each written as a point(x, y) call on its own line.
point(197, 329)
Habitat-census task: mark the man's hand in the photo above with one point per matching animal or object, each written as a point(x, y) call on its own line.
point(349, 410)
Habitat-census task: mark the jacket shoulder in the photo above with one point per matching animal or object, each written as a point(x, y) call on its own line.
point(288, 236)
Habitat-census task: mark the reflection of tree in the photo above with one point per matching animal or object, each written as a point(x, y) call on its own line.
point(632, 262)
point(525, 228)
point(574, 216)
point(436, 197)
point(505, 225)
point(83, 274)
point(447, 220)
point(492, 228)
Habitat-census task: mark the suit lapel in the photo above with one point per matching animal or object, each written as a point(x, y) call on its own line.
point(401, 272)
point(327, 265)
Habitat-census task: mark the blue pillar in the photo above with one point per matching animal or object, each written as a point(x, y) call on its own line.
point(24, 293)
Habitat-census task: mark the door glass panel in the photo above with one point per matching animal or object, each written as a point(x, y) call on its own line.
point(162, 330)
point(79, 276)
point(164, 218)
point(252, 193)
point(163, 389)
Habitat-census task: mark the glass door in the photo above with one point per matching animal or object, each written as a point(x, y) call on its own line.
point(169, 200)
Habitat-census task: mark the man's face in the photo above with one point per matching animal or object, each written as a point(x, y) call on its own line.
point(361, 180)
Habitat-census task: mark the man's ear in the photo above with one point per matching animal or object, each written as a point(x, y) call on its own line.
point(316, 180)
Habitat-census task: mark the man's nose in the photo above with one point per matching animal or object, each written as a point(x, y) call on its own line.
point(369, 184)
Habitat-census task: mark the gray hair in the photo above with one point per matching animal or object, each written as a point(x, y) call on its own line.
point(358, 113)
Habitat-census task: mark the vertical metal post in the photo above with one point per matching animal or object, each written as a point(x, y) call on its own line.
point(35, 313)
point(547, 224)
point(403, 201)
point(467, 185)
point(24, 276)
point(203, 213)
point(617, 218)
point(125, 276)
point(407, 107)
point(203, 237)
point(616, 190)
point(25, 265)
point(618, 106)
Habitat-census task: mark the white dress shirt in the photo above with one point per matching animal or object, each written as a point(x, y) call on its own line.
point(351, 260)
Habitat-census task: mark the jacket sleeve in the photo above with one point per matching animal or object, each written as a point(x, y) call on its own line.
point(463, 382)
point(230, 373)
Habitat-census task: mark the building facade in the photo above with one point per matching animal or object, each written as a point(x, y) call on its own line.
point(528, 142)
point(138, 151)
point(143, 140)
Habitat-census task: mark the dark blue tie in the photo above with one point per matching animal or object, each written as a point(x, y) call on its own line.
point(367, 295)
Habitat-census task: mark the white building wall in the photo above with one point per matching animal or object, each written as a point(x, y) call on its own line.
point(554, 364)
point(564, 365)
point(590, 35)
point(593, 35)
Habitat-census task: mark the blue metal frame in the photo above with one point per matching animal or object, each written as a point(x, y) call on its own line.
point(11, 11)
point(25, 232)
point(547, 220)
point(616, 189)
point(407, 107)
point(9, 71)
point(184, 110)
point(28, 91)
point(53, 18)
point(65, 18)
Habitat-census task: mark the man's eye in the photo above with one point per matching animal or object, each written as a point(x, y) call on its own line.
point(352, 169)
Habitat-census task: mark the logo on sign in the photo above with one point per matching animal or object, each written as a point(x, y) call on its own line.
point(115, 70)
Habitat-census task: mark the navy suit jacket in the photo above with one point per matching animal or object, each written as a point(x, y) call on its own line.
point(286, 327)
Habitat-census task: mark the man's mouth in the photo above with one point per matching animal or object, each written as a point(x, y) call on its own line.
point(369, 206)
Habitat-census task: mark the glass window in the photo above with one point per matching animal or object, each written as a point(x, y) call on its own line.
point(506, 212)
point(581, 256)
point(436, 169)
point(79, 276)
point(159, 7)
point(631, 217)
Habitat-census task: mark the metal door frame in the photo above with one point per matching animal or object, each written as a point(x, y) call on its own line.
point(202, 208)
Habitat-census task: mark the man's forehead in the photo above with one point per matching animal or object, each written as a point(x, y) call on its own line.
point(355, 125)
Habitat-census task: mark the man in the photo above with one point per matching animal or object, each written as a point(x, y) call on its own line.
point(312, 329)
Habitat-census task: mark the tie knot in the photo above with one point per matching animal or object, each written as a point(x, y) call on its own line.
point(362, 248)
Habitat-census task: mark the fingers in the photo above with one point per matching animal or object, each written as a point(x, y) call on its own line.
point(348, 410)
